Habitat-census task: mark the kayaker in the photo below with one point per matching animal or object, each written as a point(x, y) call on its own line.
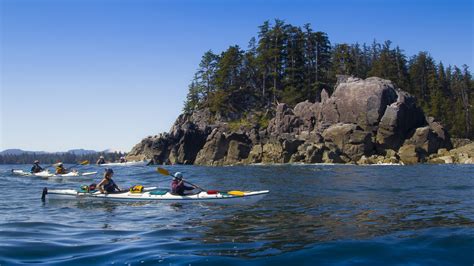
point(151, 162)
point(36, 167)
point(101, 160)
point(177, 185)
point(60, 170)
point(107, 185)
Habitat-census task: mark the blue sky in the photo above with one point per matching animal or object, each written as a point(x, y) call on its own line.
point(106, 73)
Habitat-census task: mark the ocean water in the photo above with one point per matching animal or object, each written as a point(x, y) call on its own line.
point(314, 215)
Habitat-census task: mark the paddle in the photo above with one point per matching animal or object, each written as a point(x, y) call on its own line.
point(86, 162)
point(166, 172)
point(232, 192)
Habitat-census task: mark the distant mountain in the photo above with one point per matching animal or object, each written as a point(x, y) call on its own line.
point(20, 151)
point(73, 156)
point(78, 152)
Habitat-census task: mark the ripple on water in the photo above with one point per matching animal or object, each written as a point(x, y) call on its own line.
point(319, 214)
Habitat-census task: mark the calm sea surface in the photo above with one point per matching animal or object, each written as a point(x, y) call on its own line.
point(314, 214)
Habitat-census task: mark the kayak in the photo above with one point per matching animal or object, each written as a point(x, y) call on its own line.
point(47, 174)
point(124, 164)
point(157, 194)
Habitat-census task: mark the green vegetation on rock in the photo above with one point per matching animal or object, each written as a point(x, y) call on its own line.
point(290, 64)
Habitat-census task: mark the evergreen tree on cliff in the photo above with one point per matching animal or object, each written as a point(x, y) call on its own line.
point(290, 64)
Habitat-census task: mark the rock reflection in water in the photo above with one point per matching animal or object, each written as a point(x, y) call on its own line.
point(279, 229)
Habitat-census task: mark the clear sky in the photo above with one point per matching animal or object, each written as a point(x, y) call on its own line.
point(107, 73)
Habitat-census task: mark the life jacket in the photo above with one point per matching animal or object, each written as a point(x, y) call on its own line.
point(178, 187)
point(36, 168)
point(110, 186)
point(60, 170)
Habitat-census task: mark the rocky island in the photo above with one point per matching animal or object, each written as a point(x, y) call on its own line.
point(364, 122)
point(292, 97)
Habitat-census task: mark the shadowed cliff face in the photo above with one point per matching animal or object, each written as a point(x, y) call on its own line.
point(364, 121)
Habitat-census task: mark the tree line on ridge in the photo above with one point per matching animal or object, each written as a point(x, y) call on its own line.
point(290, 64)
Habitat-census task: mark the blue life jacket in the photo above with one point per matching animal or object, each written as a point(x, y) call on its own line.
point(110, 187)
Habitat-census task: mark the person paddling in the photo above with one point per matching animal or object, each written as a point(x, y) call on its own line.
point(177, 185)
point(107, 185)
point(36, 167)
point(60, 170)
point(101, 160)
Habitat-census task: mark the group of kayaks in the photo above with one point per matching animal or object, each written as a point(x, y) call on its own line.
point(124, 163)
point(145, 194)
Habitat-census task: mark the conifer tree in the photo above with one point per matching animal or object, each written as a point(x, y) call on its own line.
point(291, 64)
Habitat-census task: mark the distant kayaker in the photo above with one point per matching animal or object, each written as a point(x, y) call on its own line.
point(60, 170)
point(36, 167)
point(101, 160)
point(177, 185)
point(151, 162)
point(107, 185)
point(122, 160)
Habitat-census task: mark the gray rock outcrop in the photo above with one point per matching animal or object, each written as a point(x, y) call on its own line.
point(363, 121)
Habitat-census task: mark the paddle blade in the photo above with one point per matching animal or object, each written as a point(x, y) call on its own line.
point(84, 162)
point(162, 171)
point(236, 193)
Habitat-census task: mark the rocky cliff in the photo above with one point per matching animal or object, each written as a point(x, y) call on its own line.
point(363, 121)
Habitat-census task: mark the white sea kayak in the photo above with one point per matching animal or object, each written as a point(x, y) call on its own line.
point(124, 164)
point(46, 174)
point(155, 194)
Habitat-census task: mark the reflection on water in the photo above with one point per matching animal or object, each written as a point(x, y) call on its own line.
point(287, 230)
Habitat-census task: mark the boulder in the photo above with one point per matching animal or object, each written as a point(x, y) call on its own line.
point(189, 144)
point(224, 149)
point(314, 153)
point(284, 121)
point(446, 159)
point(239, 146)
point(409, 154)
point(255, 155)
point(214, 150)
point(307, 112)
point(457, 142)
point(350, 139)
point(363, 102)
point(463, 154)
point(399, 120)
point(429, 139)
point(272, 153)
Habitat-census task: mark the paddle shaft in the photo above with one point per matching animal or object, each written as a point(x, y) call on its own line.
point(86, 162)
point(194, 185)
